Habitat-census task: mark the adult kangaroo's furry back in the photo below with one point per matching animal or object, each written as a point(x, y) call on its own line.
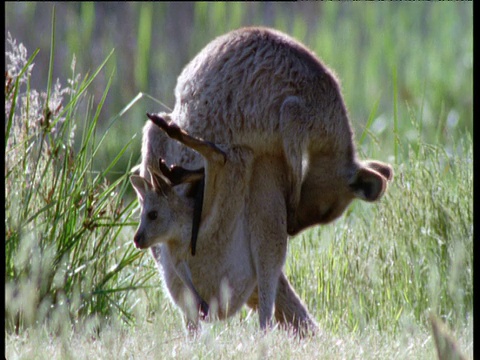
point(235, 87)
point(260, 88)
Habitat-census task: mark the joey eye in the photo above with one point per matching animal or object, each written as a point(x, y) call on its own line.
point(152, 215)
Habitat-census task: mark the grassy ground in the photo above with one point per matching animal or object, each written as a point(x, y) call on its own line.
point(75, 287)
point(237, 338)
point(233, 339)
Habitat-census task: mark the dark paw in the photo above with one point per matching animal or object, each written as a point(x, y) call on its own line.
point(203, 310)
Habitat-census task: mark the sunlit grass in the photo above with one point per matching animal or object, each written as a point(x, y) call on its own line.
point(66, 254)
point(232, 339)
point(400, 259)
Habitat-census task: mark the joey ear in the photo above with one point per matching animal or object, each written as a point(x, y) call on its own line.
point(368, 184)
point(164, 168)
point(159, 182)
point(141, 185)
point(178, 175)
point(383, 169)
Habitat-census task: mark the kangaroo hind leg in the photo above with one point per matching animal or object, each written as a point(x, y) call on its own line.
point(294, 131)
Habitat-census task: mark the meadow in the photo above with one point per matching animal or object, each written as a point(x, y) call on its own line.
point(76, 90)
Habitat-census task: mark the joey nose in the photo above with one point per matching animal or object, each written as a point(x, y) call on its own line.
point(139, 241)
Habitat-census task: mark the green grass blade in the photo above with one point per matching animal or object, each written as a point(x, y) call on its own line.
point(143, 45)
point(395, 116)
point(369, 123)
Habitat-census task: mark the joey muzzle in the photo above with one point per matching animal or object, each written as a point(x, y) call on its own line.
point(139, 241)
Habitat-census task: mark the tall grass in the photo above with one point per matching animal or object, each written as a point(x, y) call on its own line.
point(65, 258)
point(394, 263)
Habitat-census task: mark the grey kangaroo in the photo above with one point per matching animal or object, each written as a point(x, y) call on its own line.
point(236, 215)
point(260, 89)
